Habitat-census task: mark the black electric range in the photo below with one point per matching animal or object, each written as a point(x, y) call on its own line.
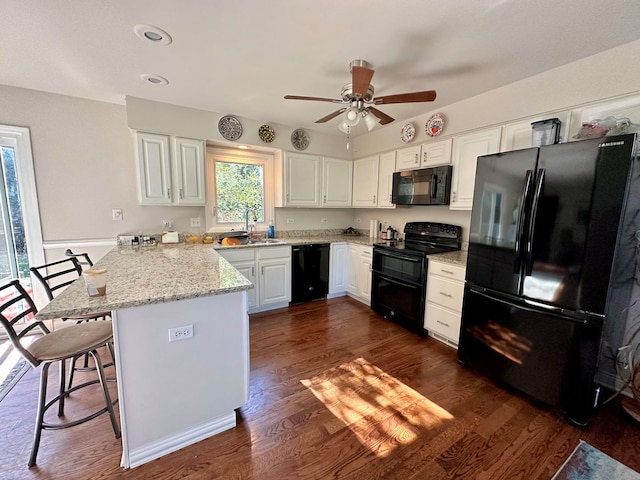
point(399, 271)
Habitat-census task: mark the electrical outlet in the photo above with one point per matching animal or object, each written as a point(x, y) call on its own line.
point(167, 224)
point(324, 220)
point(180, 333)
point(290, 220)
point(195, 222)
point(116, 213)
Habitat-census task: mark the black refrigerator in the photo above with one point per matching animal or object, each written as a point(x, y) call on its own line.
point(545, 227)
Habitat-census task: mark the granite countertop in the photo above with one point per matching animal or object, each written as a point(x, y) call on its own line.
point(305, 240)
point(146, 275)
point(458, 257)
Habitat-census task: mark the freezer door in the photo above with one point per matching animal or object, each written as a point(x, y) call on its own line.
point(502, 197)
point(548, 357)
point(578, 200)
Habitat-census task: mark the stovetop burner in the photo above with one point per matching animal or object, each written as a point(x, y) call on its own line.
point(426, 238)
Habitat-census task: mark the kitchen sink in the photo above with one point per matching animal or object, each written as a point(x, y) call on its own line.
point(265, 241)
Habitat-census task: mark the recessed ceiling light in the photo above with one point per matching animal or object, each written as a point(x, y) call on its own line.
point(153, 34)
point(154, 79)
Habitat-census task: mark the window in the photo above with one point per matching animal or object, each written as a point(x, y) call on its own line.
point(239, 182)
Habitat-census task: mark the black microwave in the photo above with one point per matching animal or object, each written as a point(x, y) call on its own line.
point(427, 186)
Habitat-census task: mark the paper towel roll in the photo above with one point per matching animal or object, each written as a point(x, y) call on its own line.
point(373, 228)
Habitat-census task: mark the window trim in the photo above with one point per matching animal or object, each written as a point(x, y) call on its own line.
point(215, 154)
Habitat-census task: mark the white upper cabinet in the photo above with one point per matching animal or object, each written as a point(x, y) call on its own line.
point(336, 182)
point(365, 182)
point(466, 150)
point(408, 158)
point(386, 168)
point(189, 169)
point(302, 180)
point(170, 179)
point(314, 181)
point(518, 135)
point(436, 153)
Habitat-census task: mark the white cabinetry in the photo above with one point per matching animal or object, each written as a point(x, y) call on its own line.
point(466, 150)
point(445, 290)
point(170, 170)
point(436, 153)
point(302, 180)
point(269, 269)
point(365, 182)
point(359, 277)
point(408, 158)
point(518, 135)
point(313, 181)
point(386, 168)
point(338, 269)
point(336, 182)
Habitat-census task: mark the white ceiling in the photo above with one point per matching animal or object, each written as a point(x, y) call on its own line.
point(241, 57)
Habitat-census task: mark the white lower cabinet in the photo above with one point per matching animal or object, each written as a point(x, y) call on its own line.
point(445, 291)
point(338, 269)
point(359, 276)
point(269, 269)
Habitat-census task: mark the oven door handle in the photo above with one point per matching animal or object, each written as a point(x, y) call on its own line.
point(378, 273)
point(400, 257)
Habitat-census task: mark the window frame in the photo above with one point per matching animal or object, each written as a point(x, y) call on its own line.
point(266, 160)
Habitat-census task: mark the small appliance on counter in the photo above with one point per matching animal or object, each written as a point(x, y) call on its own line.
point(170, 237)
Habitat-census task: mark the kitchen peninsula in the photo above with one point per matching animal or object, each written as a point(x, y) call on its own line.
point(171, 394)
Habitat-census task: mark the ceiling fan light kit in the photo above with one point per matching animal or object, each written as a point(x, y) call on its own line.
point(359, 95)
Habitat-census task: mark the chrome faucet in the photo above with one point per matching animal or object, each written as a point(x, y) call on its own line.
point(246, 222)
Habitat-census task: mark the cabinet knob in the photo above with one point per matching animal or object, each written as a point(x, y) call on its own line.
point(168, 193)
point(325, 199)
point(253, 271)
point(417, 160)
point(181, 195)
point(287, 197)
point(374, 199)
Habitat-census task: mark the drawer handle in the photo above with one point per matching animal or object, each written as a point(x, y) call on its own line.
point(446, 294)
point(442, 323)
point(447, 271)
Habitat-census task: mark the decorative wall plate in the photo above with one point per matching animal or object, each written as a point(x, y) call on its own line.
point(434, 125)
point(266, 133)
point(230, 128)
point(300, 139)
point(408, 132)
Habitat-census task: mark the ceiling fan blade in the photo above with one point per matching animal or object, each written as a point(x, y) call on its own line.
point(331, 115)
point(384, 118)
point(426, 96)
point(317, 99)
point(360, 80)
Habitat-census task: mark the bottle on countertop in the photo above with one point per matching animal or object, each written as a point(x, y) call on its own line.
point(389, 233)
point(271, 233)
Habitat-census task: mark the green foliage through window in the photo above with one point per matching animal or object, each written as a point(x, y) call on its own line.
point(239, 187)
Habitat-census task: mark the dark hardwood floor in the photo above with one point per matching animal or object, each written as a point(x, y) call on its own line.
point(337, 392)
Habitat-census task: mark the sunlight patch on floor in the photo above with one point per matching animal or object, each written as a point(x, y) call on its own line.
point(381, 411)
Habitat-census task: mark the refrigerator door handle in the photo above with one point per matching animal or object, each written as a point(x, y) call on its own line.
point(526, 189)
point(532, 221)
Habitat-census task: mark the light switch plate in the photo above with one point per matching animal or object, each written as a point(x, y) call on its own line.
point(195, 222)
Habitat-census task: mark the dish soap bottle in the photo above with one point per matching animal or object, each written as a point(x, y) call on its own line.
point(271, 233)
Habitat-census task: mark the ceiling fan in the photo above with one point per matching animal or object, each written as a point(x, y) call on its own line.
point(359, 98)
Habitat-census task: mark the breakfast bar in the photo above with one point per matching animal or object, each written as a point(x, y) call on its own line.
point(173, 389)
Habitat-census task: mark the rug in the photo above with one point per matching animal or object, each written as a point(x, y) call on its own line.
point(589, 463)
point(16, 373)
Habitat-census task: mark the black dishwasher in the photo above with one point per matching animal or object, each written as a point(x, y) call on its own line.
point(310, 272)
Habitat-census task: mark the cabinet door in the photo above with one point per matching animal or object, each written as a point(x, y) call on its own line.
point(386, 168)
point(408, 158)
point(275, 281)
point(338, 268)
point(248, 269)
point(436, 153)
point(466, 150)
point(353, 270)
point(336, 182)
point(154, 168)
point(364, 276)
point(189, 169)
point(302, 180)
point(365, 182)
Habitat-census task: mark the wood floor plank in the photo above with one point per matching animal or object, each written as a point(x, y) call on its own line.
point(286, 431)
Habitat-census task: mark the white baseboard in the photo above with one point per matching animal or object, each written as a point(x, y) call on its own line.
point(152, 451)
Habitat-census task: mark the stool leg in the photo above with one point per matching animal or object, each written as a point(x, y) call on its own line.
point(72, 370)
point(42, 399)
point(105, 390)
point(63, 380)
